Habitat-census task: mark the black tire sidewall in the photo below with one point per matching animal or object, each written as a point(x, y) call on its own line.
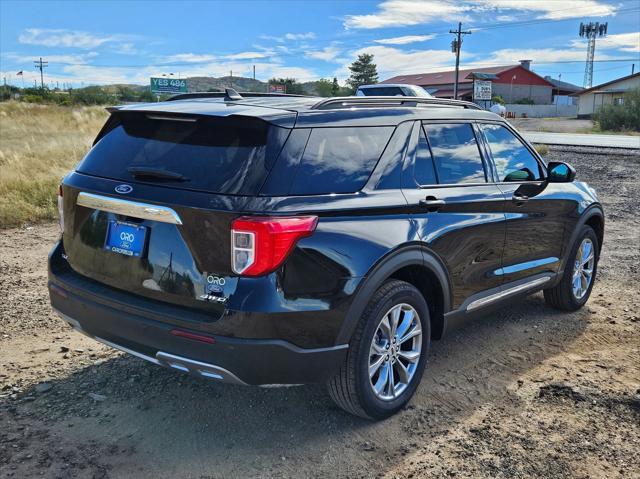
point(374, 406)
point(586, 232)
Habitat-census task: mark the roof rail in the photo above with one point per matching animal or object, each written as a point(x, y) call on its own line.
point(388, 101)
point(223, 94)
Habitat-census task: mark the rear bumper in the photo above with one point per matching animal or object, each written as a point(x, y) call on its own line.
point(233, 360)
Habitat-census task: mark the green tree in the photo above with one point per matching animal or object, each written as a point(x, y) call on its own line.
point(324, 87)
point(363, 71)
point(335, 87)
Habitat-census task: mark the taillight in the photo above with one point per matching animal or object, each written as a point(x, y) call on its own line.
point(61, 208)
point(259, 245)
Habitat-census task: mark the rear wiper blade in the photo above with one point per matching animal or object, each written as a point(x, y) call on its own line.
point(156, 173)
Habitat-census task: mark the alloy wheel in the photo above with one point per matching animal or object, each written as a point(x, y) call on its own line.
point(395, 351)
point(583, 269)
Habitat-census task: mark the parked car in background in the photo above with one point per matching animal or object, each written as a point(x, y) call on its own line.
point(270, 240)
point(387, 89)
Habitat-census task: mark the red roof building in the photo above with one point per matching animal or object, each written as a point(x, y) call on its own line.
point(511, 82)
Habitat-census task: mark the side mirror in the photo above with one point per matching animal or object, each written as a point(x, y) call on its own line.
point(560, 172)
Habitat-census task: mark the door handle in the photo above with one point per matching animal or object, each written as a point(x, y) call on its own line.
point(518, 198)
point(431, 203)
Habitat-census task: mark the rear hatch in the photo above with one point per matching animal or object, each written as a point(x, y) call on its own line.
point(149, 209)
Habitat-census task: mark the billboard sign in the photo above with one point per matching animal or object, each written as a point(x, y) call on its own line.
point(168, 85)
point(481, 90)
point(277, 88)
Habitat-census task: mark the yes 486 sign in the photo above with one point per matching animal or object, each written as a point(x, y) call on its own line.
point(168, 85)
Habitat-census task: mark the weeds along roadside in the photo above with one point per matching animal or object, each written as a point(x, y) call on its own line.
point(38, 145)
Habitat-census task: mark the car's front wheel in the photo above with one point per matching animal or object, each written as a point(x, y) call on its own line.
point(387, 353)
point(574, 289)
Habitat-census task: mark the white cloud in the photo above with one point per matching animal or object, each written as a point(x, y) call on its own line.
point(53, 59)
point(188, 58)
point(290, 37)
point(393, 61)
point(327, 54)
point(553, 10)
point(67, 38)
point(405, 40)
point(248, 55)
point(511, 56)
point(300, 36)
point(398, 13)
point(625, 42)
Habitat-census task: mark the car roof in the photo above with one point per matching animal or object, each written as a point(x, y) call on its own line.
point(304, 112)
point(385, 85)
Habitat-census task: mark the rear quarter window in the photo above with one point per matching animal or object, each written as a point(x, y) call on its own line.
point(339, 160)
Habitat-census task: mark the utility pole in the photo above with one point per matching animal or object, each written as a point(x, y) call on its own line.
point(456, 45)
point(40, 65)
point(254, 72)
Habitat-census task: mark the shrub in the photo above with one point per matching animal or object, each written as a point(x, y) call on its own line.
point(621, 117)
point(542, 149)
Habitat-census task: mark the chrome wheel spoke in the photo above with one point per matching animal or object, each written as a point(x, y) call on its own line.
point(391, 384)
point(373, 368)
point(411, 356)
point(383, 378)
point(403, 372)
point(395, 319)
point(385, 327)
point(407, 321)
point(413, 332)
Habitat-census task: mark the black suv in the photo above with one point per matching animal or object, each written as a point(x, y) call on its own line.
point(283, 240)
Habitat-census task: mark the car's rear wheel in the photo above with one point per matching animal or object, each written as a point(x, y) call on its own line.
point(387, 353)
point(574, 289)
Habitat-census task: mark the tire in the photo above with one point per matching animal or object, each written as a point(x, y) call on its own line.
point(562, 296)
point(351, 387)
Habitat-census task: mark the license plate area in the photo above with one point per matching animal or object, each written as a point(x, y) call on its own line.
point(128, 239)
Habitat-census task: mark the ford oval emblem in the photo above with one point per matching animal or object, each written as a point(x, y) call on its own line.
point(124, 189)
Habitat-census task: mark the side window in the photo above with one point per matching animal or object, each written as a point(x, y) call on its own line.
point(513, 160)
point(455, 153)
point(339, 160)
point(423, 170)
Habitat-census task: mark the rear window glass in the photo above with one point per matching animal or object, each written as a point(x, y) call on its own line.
point(216, 155)
point(339, 160)
point(382, 91)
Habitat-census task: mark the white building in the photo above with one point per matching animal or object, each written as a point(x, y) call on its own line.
point(590, 100)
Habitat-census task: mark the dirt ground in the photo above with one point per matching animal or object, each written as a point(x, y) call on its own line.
point(524, 392)
point(553, 125)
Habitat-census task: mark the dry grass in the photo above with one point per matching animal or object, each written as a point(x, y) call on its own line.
point(38, 145)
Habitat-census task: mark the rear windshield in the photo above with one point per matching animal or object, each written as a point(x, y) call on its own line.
point(231, 155)
point(382, 91)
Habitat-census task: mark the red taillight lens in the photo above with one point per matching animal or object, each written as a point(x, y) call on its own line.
point(61, 208)
point(259, 245)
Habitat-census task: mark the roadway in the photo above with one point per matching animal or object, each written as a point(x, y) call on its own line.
point(582, 139)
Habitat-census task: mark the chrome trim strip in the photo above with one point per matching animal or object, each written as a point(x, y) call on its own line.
point(507, 292)
point(197, 367)
point(134, 209)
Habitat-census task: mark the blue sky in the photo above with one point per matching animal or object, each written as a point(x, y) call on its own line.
point(91, 42)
